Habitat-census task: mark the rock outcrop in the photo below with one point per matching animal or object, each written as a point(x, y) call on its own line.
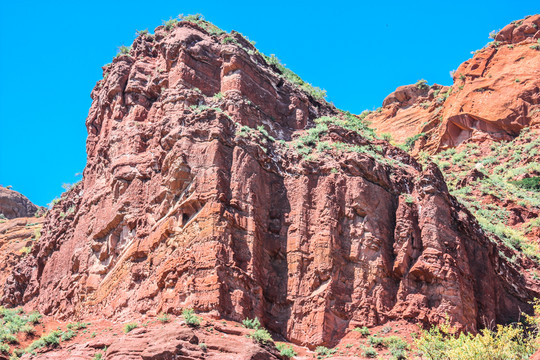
point(16, 205)
point(172, 340)
point(496, 93)
point(408, 111)
point(212, 182)
point(17, 237)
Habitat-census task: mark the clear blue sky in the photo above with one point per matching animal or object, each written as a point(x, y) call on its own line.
point(51, 55)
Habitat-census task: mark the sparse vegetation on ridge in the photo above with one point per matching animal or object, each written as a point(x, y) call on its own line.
point(292, 77)
point(501, 166)
point(310, 145)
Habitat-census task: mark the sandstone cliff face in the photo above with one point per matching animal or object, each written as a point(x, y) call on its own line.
point(496, 93)
point(202, 189)
point(16, 205)
point(410, 110)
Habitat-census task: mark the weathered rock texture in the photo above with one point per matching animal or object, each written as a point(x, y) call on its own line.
point(17, 237)
point(158, 341)
point(181, 206)
point(410, 110)
point(496, 93)
point(15, 205)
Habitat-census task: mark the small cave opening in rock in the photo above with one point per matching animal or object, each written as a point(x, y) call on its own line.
point(189, 211)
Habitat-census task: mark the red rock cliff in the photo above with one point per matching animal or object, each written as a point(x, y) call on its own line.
point(495, 94)
point(199, 193)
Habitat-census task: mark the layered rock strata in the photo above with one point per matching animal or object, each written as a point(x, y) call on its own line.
point(203, 189)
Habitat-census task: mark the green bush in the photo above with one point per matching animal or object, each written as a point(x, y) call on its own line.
point(364, 330)
point(4, 348)
point(67, 335)
point(28, 329)
point(251, 323)
point(34, 317)
point(422, 84)
point(77, 326)
point(370, 352)
point(410, 141)
point(190, 318)
point(532, 183)
point(130, 326)
point(398, 354)
point(395, 342)
point(51, 339)
point(124, 50)
point(169, 24)
point(323, 351)
point(164, 318)
point(285, 350)
point(9, 338)
point(505, 342)
point(261, 336)
point(397, 347)
point(376, 340)
point(229, 40)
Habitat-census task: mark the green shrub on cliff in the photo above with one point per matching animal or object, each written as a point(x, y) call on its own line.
point(77, 325)
point(67, 335)
point(285, 350)
point(190, 318)
point(122, 50)
point(169, 24)
point(532, 183)
point(164, 318)
point(200, 21)
point(130, 326)
point(363, 330)
point(323, 351)
point(251, 323)
point(292, 77)
point(422, 84)
point(141, 32)
point(8, 338)
point(261, 335)
point(51, 339)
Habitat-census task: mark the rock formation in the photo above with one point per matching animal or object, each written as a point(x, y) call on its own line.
point(15, 205)
point(214, 182)
point(17, 237)
point(163, 341)
point(482, 131)
point(496, 93)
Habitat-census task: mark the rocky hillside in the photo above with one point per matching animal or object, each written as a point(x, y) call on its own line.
point(485, 132)
point(15, 205)
point(218, 181)
point(495, 95)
